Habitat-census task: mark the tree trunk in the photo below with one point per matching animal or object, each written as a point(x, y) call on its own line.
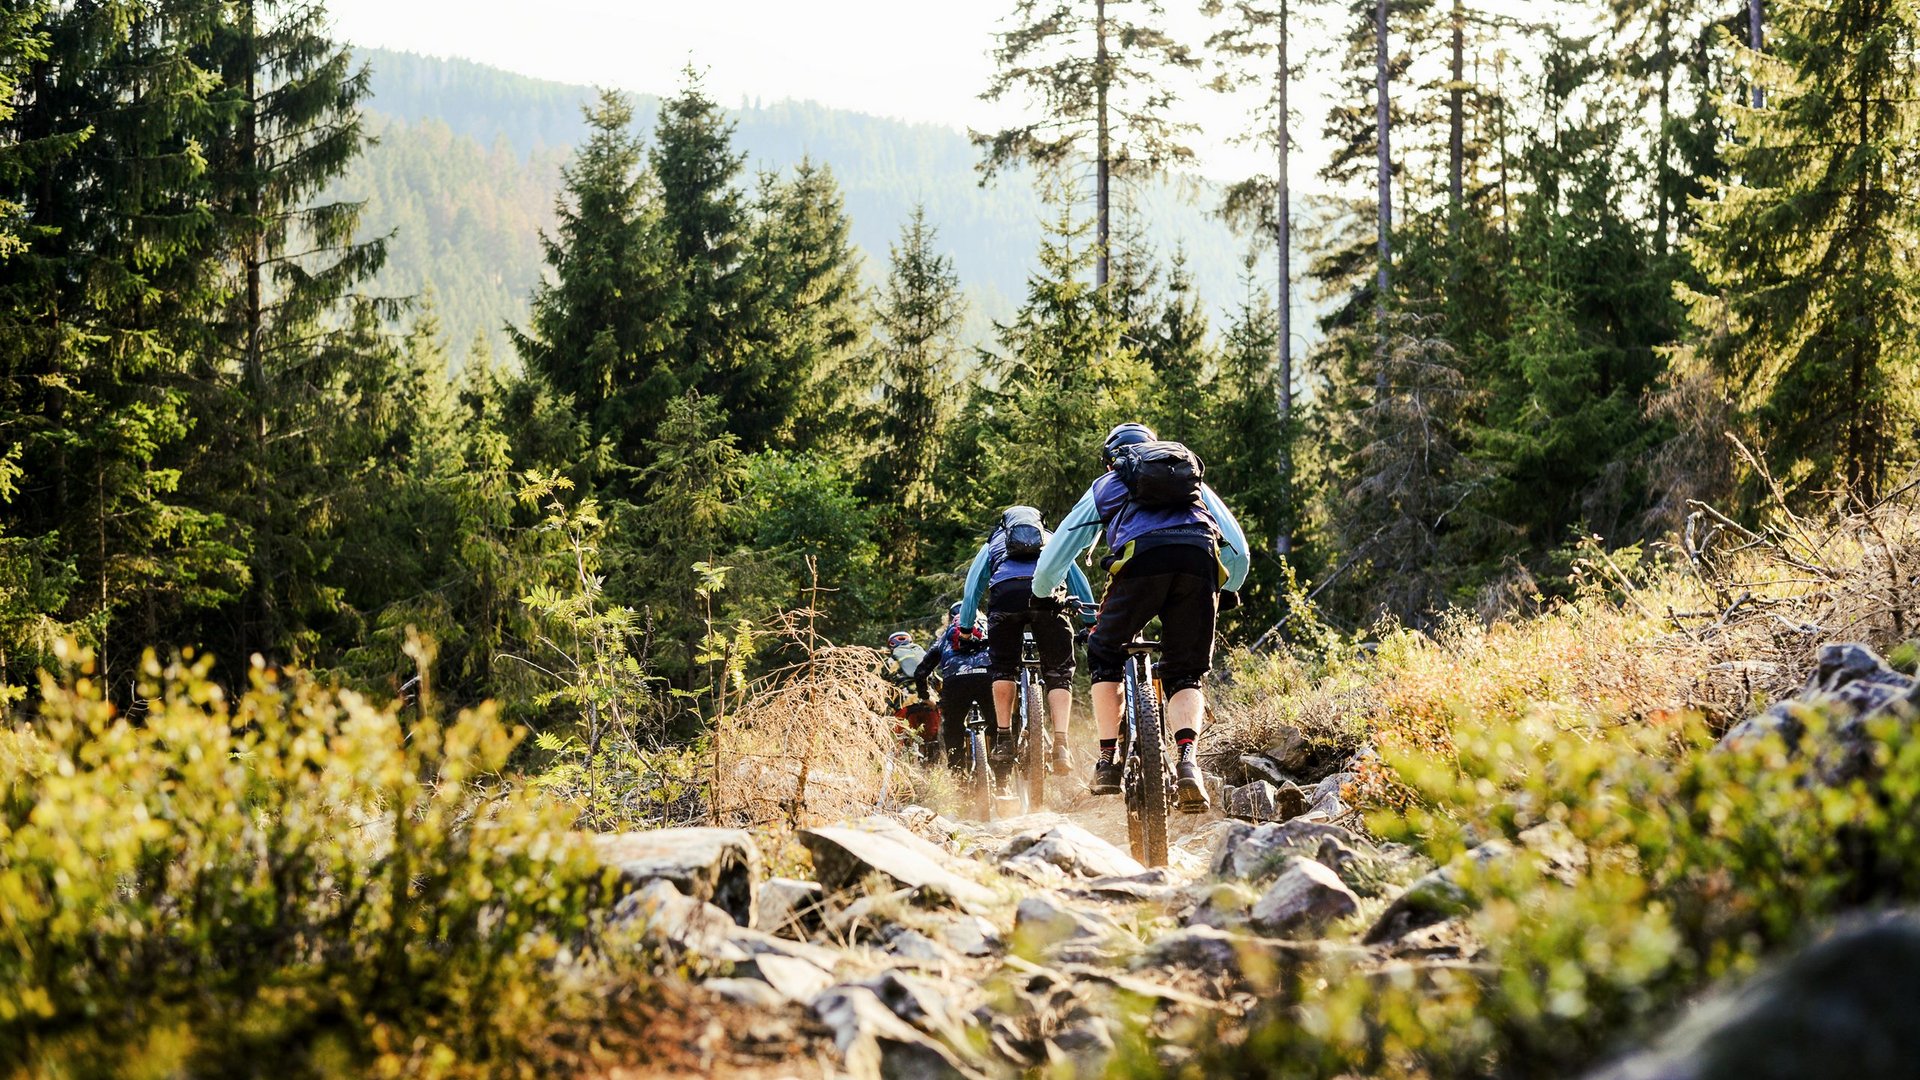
point(1283, 225)
point(1386, 155)
point(1756, 22)
point(1457, 137)
point(1103, 167)
point(255, 315)
point(1663, 143)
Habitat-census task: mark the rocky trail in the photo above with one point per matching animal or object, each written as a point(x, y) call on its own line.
point(912, 944)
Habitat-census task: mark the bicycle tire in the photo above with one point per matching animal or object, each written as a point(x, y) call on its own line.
point(1034, 741)
point(1153, 774)
point(980, 773)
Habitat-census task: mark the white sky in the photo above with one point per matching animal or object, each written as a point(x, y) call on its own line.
point(924, 60)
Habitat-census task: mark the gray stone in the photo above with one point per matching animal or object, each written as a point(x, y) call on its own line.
point(1040, 922)
point(843, 858)
point(1843, 1007)
point(751, 993)
point(1849, 689)
point(1433, 898)
point(1255, 853)
point(1325, 797)
point(791, 978)
point(1151, 886)
point(876, 1044)
point(1073, 850)
point(1290, 749)
point(1083, 1048)
point(1259, 767)
point(969, 935)
point(667, 919)
point(1306, 896)
point(1196, 948)
point(720, 866)
point(789, 907)
point(758, 943)
point(1260, 801)
point(1225, 905)
point(915, 947)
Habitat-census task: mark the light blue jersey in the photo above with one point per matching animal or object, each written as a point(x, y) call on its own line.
point(1080, 530)
point(980, 576)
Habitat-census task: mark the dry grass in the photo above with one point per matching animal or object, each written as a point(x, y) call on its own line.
point(1727, 618)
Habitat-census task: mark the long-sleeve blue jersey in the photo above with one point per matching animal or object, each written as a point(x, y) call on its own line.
point(1080, 529)
point(981, 574)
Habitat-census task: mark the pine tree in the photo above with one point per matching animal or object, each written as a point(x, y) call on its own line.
point(1099, 73)
point(1808, 313)
point(808, 301)
point(1175, 345)
point(917, 321)
point(1249, 436)
point(603, 328)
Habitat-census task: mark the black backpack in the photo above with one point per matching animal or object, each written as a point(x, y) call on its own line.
point(1160, 475)
point(1025, 536)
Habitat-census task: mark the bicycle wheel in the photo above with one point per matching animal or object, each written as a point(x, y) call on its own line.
point(1033, 741)
point(1152, 756)
point(979, 769)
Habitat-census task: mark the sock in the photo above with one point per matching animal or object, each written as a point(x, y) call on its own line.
point(1108, 748)
point(1184, 740)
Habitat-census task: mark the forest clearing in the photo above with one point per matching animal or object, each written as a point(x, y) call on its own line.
point(1482, 642)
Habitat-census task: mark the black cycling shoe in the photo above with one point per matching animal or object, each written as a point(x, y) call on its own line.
point(1060, 764)
point(1191, 795)
point(1001, 753)
point(1106, 778)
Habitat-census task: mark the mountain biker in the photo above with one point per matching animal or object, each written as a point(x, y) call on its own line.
point(906, 657)
point(1002, 576)
point(1179, 560)
point(961, 659)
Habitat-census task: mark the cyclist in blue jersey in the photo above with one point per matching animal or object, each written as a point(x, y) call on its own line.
point(1001, 578)
point(1179, 560)
point(960, 658)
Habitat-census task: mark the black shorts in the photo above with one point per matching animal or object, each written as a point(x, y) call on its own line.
point(958, 696)
point(1186, 604)
point(1052, 635)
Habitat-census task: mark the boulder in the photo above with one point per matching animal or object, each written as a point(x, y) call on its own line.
point(1306, 896)
point(1289, 749)
point(917, 948)
point(1260, 767)
point(968, 935)
point(1196, 948)
point(791, 978)
point(667, 919)
point(1152, 885)
point(1325, 797)
point(719, 866)
point(876, 1044)
point(1842, 1007)
point(1041, 922)
point(1255, 853)
point(843, 858)
point(1073, 850)
point(1261, 801)
point(1434, 898)
point(789, 907)
point(1850, 688)
point(1225, 905)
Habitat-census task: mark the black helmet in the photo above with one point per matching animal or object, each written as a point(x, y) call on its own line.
point(1124, 435)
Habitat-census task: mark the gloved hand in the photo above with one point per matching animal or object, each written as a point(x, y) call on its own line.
point(1229, 599)
point(1081, 635)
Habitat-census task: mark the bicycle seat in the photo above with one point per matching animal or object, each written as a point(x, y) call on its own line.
point(1141, 645)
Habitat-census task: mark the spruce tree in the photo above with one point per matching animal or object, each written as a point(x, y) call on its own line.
point(1808, 311)
point(1100, 75)
point(295, 343)
point(917, 353)
point(603, 329)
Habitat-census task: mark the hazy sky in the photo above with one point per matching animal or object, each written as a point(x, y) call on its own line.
point(913, 59)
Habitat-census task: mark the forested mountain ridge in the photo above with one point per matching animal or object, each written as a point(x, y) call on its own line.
point(467, 167)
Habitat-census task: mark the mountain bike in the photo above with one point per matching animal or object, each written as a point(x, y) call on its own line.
point(980, 783)
point(1147, 779)
point(1035, 728)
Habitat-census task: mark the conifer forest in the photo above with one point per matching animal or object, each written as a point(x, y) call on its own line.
point(422, 489)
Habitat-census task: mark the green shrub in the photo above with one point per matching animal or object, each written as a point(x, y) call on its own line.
point(286, 882)
point(1663, 868)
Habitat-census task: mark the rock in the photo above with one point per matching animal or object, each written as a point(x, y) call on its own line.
point(915, 947)
point(1197, 948)
point(1041, 922)
point(789, 907)
point(756, 943)
point(1289, 749)
point(1260, 801)
point(843, 858)
point(1306, 896)
point(1224, 906)
point(1255, 853)
point(1325, 797)
point(751, 993)
point(791, 978)
point(1073, 850)
point(1842, 1007)
point(875, 1043)
point(969, 935)
point(1436, 897)
point(1152, 885)
point(1260, 767)
point(719, 866)
point(662, 916)
point(1083, 1048)
point(1849, 689)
